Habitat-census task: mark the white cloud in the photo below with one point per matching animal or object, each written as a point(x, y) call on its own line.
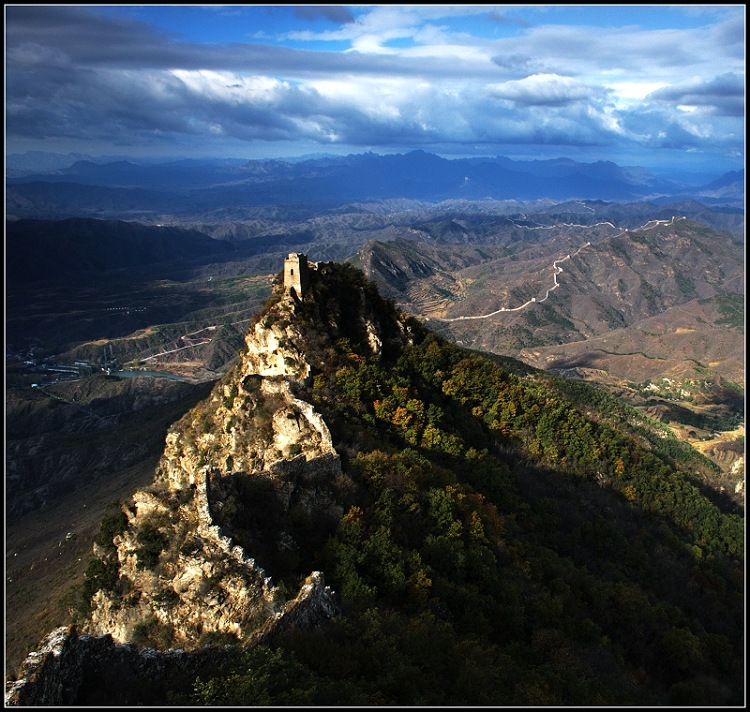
point(544, 89)
point(629, 92)
point(233, 88)
point(410, 77)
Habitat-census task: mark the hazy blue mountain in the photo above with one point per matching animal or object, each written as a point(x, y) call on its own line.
point(334, 180)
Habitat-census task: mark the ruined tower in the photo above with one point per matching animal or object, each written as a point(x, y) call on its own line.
point(296, 273)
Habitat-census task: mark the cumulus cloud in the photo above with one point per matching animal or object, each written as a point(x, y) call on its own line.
point(546, 90)
point(723, 95)
point(409, 75)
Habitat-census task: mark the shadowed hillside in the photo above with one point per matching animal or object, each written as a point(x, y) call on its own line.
point(488, 531)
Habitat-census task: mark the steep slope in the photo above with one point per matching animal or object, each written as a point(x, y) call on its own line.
point(491, 532)
point(559, 283)
point(254, 438)
point(628, 308)
point(83, 249)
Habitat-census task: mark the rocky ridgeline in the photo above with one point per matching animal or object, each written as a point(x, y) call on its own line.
point(73, 669)
point(182, 579)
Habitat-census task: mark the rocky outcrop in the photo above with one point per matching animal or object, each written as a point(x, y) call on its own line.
point(314, 603)
point(74, 669)
point(247, 478)
point(182, 578)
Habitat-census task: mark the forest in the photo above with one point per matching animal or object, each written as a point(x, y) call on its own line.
point(510, 538)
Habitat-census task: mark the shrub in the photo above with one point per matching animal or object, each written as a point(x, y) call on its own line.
point(152, 543)
point(113, 523)
point(99, 575)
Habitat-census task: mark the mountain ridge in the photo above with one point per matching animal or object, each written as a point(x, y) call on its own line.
point(333, 181)
point(88, 248)
point(451, 497)
point(614, 270)
point(654, 313)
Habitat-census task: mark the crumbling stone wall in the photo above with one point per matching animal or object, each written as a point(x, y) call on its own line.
point(72, 669)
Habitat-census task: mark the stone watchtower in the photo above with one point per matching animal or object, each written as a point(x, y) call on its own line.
point(296, 273)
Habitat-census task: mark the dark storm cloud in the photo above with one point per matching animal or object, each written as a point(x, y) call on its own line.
point(723, 95)
point(100, 104)
point(338, 15)
point(81, 37)
point(85, 38)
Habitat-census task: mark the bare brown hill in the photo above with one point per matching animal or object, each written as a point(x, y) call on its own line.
point(667, 293)
point(663, 346)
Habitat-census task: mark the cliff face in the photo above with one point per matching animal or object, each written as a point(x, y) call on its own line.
point(181, 577)
point(73, 669)
point(216, 549)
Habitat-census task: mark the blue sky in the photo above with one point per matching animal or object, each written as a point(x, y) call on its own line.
point(654, 85)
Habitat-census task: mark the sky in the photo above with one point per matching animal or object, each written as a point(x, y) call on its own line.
point(659, 86)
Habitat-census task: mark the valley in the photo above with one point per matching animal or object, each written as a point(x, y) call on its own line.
point(643, 298)
point(589, 300)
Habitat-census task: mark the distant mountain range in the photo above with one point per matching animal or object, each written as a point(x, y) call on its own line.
point(123, 187)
